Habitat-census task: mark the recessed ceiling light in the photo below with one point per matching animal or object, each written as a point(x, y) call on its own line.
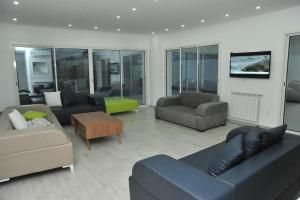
point(15, 19)
point(118, 29)
point(133, 9)
point(96, 27)
point(16, 2)
point(118, 17)
point(202, 20)
point(153, 33)
point(258, 7)
point(182, 25)
point(226, 15)
point(166, 29)
point(70, 25)
point(155, 0)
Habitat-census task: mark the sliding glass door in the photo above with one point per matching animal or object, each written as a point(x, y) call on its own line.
point(173, 72)
point(134, 75)
point(192, 69)
point(35, 73)
point(73, 69)
point(107, 72)
point(189, 69)
point(292, 98)
point(208, 69)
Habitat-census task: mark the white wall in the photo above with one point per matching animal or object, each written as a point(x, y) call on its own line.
point(264, 32)
point(17, 34)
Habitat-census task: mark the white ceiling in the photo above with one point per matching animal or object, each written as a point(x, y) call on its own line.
point(150, 16)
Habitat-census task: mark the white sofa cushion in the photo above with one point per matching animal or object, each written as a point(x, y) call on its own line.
point(53, 98)
point(17, 120)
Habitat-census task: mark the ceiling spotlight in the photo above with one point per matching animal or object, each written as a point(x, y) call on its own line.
point(70, 25)
point(118, 17)
point(155, 0)
point(226, 15)
point(258, 7)
point(133, 9)
point(182, 25)
point(118, 29)
point(153, 33)
point(202, 20)
point(166, 29)
point(15, 19)
point(96, 27)
point(16, 3)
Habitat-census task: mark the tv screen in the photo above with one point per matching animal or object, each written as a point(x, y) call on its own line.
point(250, 65)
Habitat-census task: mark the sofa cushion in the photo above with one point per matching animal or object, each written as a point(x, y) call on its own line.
point(194, 99)
point(228, 157)
point(67, 96)
point(251, 142)
point(17, 120)
point(272, 136)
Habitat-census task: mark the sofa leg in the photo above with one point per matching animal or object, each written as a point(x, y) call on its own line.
point(4, 180)
point(69, 166)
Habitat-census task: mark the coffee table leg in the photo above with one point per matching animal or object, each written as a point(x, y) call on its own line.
point(88, 144)
point(119, 138)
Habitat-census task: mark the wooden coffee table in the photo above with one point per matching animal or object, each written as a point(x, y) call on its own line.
point(96, 124)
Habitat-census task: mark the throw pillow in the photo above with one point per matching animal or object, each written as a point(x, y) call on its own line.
point(231, 155)
point(251, 142)
point(17, 120)
point(272, 136)
point(67, 96)
point(30, 115)
point(237, 131)
point(38, 123)
point(53, 98)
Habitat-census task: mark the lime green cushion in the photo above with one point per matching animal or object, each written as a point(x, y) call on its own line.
point(30, 115)
point(119, 104)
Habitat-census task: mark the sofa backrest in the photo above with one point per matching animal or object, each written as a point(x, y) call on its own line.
point(194, 99)
point(267, 174)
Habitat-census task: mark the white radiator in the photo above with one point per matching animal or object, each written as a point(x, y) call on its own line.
point(244, 106)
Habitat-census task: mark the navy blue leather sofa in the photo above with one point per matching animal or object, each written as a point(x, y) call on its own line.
point(272, 174)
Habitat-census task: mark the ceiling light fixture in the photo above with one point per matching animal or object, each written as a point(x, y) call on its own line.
point(118, 17)
point(226, 15)
point(155, 0)
point(202, 20)
point(182, 25)
point(118, 29)
point(166, 29)
point(96, 27)
point(258, 7)
point(70, 25)
point(133, 9)
point(16, 3)
point(153, 33)
point(15, 19)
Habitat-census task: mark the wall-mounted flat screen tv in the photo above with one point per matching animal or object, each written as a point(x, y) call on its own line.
point(250, 64)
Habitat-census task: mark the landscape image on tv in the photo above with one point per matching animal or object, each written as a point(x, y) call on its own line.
point(250, 64)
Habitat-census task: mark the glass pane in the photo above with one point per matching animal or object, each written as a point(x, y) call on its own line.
point(107, 72)
point(134, 74)
point(173, 72)
point(208, 69)
point(73, 69)
point(292, 101)
point(189, 69)
point(35, 73)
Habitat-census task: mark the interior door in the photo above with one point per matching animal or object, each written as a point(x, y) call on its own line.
point(292, 97)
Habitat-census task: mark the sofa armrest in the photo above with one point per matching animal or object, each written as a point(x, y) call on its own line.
point(96, 100)
point(167, 101)
point(16, 141)
point(211, 108)
point(167, 178)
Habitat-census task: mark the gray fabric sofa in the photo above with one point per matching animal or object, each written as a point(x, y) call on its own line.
point(196, 110)
point(32, 150)
point(273, 174)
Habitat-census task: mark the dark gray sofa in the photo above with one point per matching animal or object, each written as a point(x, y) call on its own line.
point(196, 110)
point(273, 174)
